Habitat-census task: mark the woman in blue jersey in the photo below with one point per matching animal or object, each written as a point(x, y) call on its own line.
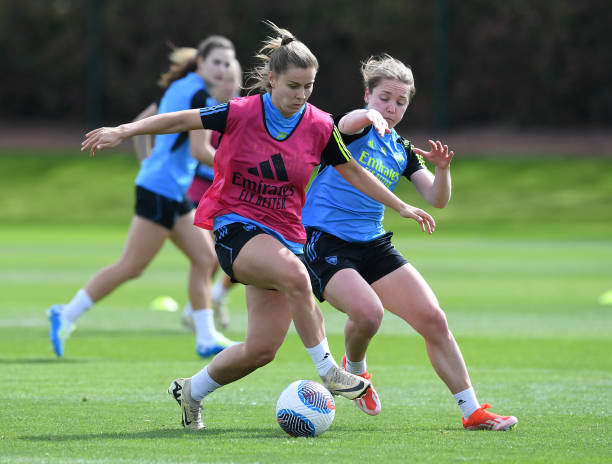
point(350, 258)
point(270, 146)
point(229, 87)
point(162, 209)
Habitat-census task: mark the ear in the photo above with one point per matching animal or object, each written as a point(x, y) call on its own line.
point(366, 96)
point(272, 79)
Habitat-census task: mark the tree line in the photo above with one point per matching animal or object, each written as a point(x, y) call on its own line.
point(517, 63)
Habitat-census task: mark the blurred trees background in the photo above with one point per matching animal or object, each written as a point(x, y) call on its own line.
point(517, 63)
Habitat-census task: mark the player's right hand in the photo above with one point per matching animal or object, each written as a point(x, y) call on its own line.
point(424, 219)
point(101, 138)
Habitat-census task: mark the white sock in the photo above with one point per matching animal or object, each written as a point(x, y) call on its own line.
point(79, 304)
point(188, 309)
point(322, 357)
point(467, 402)
point(356, 367)
point(218, 291)
point(202, 384)
point(204, 322)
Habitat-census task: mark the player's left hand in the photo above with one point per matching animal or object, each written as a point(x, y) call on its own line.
point(379, 123)
point(439, 155)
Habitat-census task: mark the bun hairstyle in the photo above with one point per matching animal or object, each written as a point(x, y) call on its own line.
point(287, 40)
point(183, 60)
point(277, 54)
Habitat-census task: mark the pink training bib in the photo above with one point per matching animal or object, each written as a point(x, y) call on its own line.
point(259, 177)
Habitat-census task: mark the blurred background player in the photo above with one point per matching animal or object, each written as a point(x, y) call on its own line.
point(229, 87)
point(162, 208)
point(367, 274)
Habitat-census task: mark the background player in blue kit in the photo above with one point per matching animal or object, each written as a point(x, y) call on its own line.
point(162, 208)
point(221, 92)
point(350, 258)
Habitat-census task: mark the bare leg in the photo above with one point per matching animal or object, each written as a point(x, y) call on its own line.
point(198, 247)
point(405, 293)
point(144, 241)
point(265, 263)
point(227, 282)
point(268, 323)
point(348, 292)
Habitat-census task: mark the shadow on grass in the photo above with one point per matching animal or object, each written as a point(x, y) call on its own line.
point(45, 361)
point(250, 433)
point(136, 332)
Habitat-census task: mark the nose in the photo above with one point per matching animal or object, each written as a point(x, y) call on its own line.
point(391, 108)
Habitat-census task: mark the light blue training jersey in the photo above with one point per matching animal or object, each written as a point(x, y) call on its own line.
point(336, 207)
point(170, 168)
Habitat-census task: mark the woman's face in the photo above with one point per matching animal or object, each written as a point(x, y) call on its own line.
point(390, 98)
point(291, 89)
point(213, 68)
point(229, 87)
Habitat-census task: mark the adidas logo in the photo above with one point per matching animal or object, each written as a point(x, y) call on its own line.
point(265, 169)
point(333, 260)
point(221, 232)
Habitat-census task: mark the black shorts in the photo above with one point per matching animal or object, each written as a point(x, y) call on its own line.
point(160, 209)
point(326, 254)
point(230, 239)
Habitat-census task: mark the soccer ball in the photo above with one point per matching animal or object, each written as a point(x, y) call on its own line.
point(305, 409)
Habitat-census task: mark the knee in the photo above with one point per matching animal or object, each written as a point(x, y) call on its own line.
point(131, 270)
point(205, 261)
point(297, 282)
point(262, 355)
point(367, 318)
point(435, 324)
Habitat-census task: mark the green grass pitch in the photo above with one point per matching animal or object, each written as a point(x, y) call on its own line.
point(521, 255)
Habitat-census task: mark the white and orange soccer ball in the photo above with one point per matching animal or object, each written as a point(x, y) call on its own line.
point(305, 408)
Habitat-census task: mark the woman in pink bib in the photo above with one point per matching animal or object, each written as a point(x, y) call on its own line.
point(270, 145)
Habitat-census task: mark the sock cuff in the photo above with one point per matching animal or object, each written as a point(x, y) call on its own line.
point(84, 298)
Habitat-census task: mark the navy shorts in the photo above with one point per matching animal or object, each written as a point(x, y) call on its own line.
point(160, 209)
point(229, 240)
point(326, 254)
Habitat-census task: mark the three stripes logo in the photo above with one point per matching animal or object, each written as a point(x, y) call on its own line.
point(272, 188)
point(265, 169)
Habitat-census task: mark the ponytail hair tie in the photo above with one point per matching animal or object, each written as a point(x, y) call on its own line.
point(287, 40)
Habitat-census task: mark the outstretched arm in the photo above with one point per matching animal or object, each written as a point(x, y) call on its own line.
point(436, 190)
point(365, 181)
point(166, 123)
point(357, 120)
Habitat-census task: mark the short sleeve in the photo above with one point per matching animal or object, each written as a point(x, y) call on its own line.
point(335, 152)
point(215, 117)
point(415, 161)
point(349, 138)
